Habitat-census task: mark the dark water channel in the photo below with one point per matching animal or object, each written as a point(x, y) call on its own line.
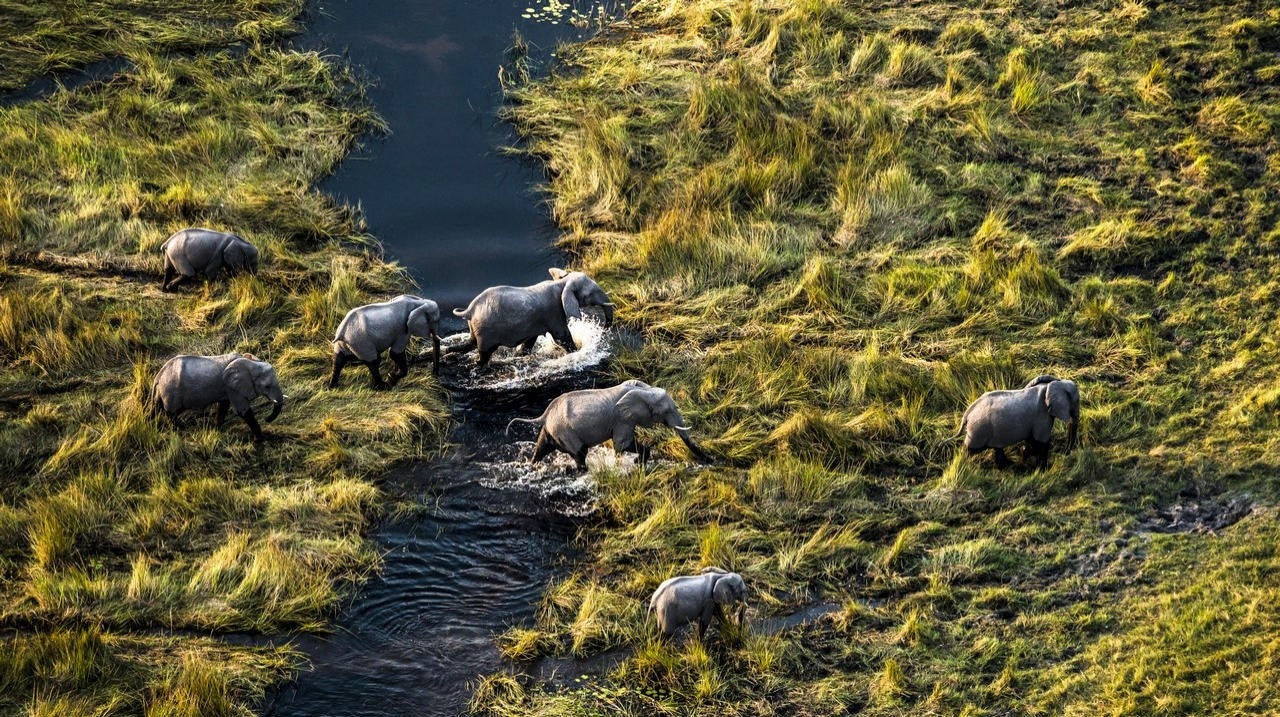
point(491, 531)
point(437, 192)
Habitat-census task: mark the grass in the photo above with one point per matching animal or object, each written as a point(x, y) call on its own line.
point(115, 529)
point(838, 222)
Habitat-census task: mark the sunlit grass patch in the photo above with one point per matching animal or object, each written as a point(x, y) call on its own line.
point(110, 518)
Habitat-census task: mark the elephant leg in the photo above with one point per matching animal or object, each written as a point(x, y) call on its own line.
point(220, 414)
point(565, 341)
point(526, 348)
point(178, 281)
point(704, 621)
point(581, 457)
point(1002, 461)
point(249, 418)
point(1041, 451)
point(485, 355)
point(375, 378)
point(401, 366)
point(339, 360)
point(543, 447)
point(169, 273)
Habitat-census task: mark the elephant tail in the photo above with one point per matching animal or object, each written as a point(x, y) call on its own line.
point(964, 424)
point(535, 421)
point(154, 405)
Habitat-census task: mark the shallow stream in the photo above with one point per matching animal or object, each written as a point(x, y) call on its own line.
point(492, 530)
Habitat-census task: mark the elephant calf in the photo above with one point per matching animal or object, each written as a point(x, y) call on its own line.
point(517, 315)
point(205, 251)
point(193, 382)
point(367, 331)
point(577, 420)
point(999, 419)
point(683, 599)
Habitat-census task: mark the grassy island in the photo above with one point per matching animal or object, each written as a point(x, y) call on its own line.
point(123, 544)
point(838, 222)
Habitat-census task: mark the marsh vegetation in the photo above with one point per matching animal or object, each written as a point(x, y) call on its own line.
point(839, 222)
point(835, 224)
point(112, 525)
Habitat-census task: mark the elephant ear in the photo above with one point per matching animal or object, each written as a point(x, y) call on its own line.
point(1058, 398)
point(728, 588)
point(637, 406)
point(557, 274)
point(235, 254)
point(569, 300)
point(423, 320)
point(238, 375)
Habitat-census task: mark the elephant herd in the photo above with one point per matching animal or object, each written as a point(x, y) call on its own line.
point(515, 317)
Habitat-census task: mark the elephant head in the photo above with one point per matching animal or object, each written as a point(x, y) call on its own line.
point(651, 405)
point(727, 590)
point(579, 291)
point(424, 322)
point(247, 379)
point(1062, 399)
point(239, 255)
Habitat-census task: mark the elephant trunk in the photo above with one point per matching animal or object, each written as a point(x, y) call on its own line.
point(694, 448)
point(1073, 433)
point(608, 314)
point(277, 399)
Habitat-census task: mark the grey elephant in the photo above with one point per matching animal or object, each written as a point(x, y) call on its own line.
point(204, 251)
point(189, 382)
point(367, 331)
point(684, 599)
point(517, 315)
point(577, 420)
point(999, 419)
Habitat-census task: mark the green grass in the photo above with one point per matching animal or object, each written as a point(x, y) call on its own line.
point(836, 224)
point(113, 528)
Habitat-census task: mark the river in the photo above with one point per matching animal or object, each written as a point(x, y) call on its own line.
point(491, 531)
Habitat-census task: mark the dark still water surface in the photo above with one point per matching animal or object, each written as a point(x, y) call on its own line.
point(444, 202)
point(416, 636)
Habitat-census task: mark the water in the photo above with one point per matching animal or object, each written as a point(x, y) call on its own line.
point(493, 529)
point(411, 641)
point(437, 193)
point(491, 533)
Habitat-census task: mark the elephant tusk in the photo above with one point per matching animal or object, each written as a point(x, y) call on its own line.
point(286, 395)
point(682, 428)
point(610, 304)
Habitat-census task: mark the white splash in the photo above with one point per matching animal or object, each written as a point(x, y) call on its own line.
point(556, 478)
point(546, 361)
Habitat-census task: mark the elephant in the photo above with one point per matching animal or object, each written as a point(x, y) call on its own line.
point(188, 382)
point(191, 251)
point(367, 331)
point(680, 600)
point(999, 419)
point(577, 420)
point(517, 316)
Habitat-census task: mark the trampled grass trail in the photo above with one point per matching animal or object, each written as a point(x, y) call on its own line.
point(837, 223)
